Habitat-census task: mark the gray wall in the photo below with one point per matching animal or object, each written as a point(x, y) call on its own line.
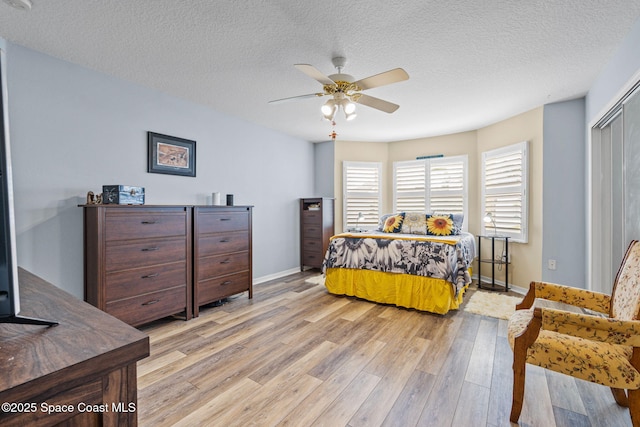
point(564, 193)
point(324, 153)
point(624, 64)
point(73, 130)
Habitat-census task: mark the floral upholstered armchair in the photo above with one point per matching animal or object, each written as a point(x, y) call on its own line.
point(599, 349)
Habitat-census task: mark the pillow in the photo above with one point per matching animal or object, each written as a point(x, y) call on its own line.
point(414, 223)
point(457, 219)
point(382, 220)
point(393, 224)
point(440, 225)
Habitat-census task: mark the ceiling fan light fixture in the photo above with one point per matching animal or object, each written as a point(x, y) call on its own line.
point(350, 116)
point(329, 109)
point(347, 106)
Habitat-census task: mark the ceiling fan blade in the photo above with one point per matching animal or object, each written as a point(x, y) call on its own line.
point(313, 72)
point(377, 103)
point(388, 77)
point(291, 98)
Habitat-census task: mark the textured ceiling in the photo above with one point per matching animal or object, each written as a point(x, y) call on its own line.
point(470, 63)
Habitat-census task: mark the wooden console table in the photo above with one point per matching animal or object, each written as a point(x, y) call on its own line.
point(80, 372)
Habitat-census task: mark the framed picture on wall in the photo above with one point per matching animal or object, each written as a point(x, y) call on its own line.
point(171, 155)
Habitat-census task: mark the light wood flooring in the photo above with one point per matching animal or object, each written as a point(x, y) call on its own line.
point(298, 356)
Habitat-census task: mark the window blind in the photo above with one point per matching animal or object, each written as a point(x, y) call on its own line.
point(504, 185)
point(362, 192)
point(431, 185)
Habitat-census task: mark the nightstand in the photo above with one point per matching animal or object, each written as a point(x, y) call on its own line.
point(493, 261)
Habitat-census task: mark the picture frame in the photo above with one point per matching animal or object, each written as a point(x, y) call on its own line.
point(170, 155)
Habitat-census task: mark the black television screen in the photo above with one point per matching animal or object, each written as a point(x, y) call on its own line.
point(9, 298)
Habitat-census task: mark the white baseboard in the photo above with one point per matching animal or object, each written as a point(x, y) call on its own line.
point(274, 276)
point(512, 287)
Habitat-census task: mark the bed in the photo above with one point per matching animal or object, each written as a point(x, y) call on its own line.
point(424, 272)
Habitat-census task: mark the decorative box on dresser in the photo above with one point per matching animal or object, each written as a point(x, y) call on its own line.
point(316, 228)
point(222, 254)
point(138, 261)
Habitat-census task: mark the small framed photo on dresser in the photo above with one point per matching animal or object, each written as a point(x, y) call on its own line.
point(171, 155)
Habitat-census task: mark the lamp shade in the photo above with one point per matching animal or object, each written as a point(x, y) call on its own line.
point(488, 218)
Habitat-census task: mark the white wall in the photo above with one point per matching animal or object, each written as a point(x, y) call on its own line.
point(73, 130)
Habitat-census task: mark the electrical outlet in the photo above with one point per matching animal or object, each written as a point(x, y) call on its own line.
point(552, 264)
point(504, 256)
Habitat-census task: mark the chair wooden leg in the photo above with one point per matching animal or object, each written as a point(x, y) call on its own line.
point(519, 369)
point(620, 396)
point(634, 407)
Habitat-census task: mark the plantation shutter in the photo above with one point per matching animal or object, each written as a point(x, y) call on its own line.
point(447, 190)
point(436, 185)
point(504, 185)
point(409, 183)
point(362, 192)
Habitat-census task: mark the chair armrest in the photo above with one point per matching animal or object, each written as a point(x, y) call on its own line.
point(594, 328)
point(577, 297)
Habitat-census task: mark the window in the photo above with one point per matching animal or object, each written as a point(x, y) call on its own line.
point(431, 185)
point(504, 191)
point(362, 192)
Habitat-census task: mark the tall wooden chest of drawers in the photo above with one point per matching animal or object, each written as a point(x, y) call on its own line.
point(316, 227)
point(138, 264)
point(222, 254)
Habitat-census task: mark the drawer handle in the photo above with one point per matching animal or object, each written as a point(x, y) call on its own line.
point(155, 248)
point(226, 282)
point(150, 276)
point(224, 241)
point(148, 222)
point(225, 262)
point(151, 302)
point(225, 219)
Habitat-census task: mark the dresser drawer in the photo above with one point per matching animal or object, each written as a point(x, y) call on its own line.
point(312, 245)
point(312, 231)
point(223, 243)
point(138, 281)
point(220, 287)
point(151, 306)
point(221, 222)
point(124, 255)
point(311, 217)
point(144, 224)
point(89, 394)
point(220, 265)
point(312, 258)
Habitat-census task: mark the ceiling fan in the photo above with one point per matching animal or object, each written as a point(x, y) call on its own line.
point(345, 91)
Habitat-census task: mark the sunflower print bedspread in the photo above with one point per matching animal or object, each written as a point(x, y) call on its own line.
point(447, 258)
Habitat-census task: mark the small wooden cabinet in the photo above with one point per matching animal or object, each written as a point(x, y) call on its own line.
point(316, 228)
point(222, 254)
point(138, 261)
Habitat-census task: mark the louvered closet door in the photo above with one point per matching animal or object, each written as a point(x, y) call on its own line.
point(615, 180)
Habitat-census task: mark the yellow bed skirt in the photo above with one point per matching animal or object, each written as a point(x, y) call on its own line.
point(403, 290)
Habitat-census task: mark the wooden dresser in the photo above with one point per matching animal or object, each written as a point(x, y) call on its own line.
point(138, 261)
point(316, 227)
point(222, 254)
point(87, 363)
